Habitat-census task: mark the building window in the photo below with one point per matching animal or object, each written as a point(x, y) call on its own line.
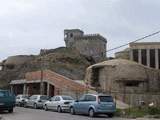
point(132, 84)
point(10, 67)
point(152, 58)
point(65, 36)
point(71, 35)
point(159, 57)
point(135, 55)
point(144, 56)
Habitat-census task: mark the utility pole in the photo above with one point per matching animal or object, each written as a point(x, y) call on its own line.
point(41, 82)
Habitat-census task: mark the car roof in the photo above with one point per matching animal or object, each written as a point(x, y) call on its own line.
point(39, 95)
point(3, 90)
point(99, 94)
point(61, 96)
point(22, 95)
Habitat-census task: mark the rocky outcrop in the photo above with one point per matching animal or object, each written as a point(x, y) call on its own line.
point(65, 61)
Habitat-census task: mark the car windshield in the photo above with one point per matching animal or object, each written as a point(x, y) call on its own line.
point(4, 93)
point(17, 97)
point(67, 98)
point(44, 98)
point(105, 98)
point(25, 97)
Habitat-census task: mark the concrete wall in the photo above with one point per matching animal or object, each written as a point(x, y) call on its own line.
point(134, 99)
point(126, 86)
point(154, 80)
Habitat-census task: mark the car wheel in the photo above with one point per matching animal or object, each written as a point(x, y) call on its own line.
point(10, 110)
point(72, 111)
point(59, 109)
point(45, 108)
point(35, 106)
point(18, 104)
point(91, 112)
point(25, 105)
point(110, 115)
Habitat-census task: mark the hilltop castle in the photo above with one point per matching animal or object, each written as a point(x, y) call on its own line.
point(90, 45)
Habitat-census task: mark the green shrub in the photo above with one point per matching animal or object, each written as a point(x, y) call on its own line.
point(153, 110)
point(135, 112)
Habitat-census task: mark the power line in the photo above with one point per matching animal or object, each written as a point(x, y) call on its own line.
point(134, 41)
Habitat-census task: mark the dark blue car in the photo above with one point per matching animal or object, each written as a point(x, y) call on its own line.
point(94, 104)
point(7, 100)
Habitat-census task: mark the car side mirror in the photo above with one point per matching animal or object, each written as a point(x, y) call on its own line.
point(39, 100)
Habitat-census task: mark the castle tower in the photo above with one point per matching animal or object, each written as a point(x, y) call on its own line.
point(90, 45)
point(70, 34)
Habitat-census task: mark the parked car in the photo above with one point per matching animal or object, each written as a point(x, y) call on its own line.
point(7, 100)
point(58, 103)
point(21, 100)
point(94, 104)
point(36, 101)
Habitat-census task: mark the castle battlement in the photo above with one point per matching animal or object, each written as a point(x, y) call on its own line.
point(90, 37)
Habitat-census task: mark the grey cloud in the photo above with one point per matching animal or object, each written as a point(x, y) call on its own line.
point(28, 25)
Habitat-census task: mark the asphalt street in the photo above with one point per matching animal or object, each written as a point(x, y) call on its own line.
point(32, 114)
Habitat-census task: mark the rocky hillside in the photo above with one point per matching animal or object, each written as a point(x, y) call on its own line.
point(65, 61)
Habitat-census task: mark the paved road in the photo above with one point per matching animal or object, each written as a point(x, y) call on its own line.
point(32, 114)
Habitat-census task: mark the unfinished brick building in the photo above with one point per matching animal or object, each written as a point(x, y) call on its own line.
point(53, 84)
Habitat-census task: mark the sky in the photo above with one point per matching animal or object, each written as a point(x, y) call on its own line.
point(26, 26)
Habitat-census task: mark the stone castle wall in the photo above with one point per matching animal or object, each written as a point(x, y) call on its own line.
point(92, 48)
point(91, 45)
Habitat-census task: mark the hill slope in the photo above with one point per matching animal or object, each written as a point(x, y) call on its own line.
point(65, 61)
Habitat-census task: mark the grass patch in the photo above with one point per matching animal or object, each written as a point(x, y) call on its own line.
point(137, 112)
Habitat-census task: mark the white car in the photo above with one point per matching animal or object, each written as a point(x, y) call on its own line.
point(58, 103)
point(36, 101)
point(21, 99)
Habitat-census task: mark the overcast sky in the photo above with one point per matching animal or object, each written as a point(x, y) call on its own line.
point(26, 26)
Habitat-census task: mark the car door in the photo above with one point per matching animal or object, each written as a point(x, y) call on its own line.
point(50, 103)
point(29, 101)
point(3, 98)
point(84, 104)
point(32, 100)
point(41, 100)
point(78, 104)
point(57, 102)
point(54, 102)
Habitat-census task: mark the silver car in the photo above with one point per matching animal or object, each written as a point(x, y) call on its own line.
point(36, 101)
point(58, 103)
point(21, 99)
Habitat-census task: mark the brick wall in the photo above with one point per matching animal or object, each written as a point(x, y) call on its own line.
point(57, 80)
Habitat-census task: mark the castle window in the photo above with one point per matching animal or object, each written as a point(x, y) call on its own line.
point(65, 36)
point(10, 66)
point(71, 35)
point(132, 84)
